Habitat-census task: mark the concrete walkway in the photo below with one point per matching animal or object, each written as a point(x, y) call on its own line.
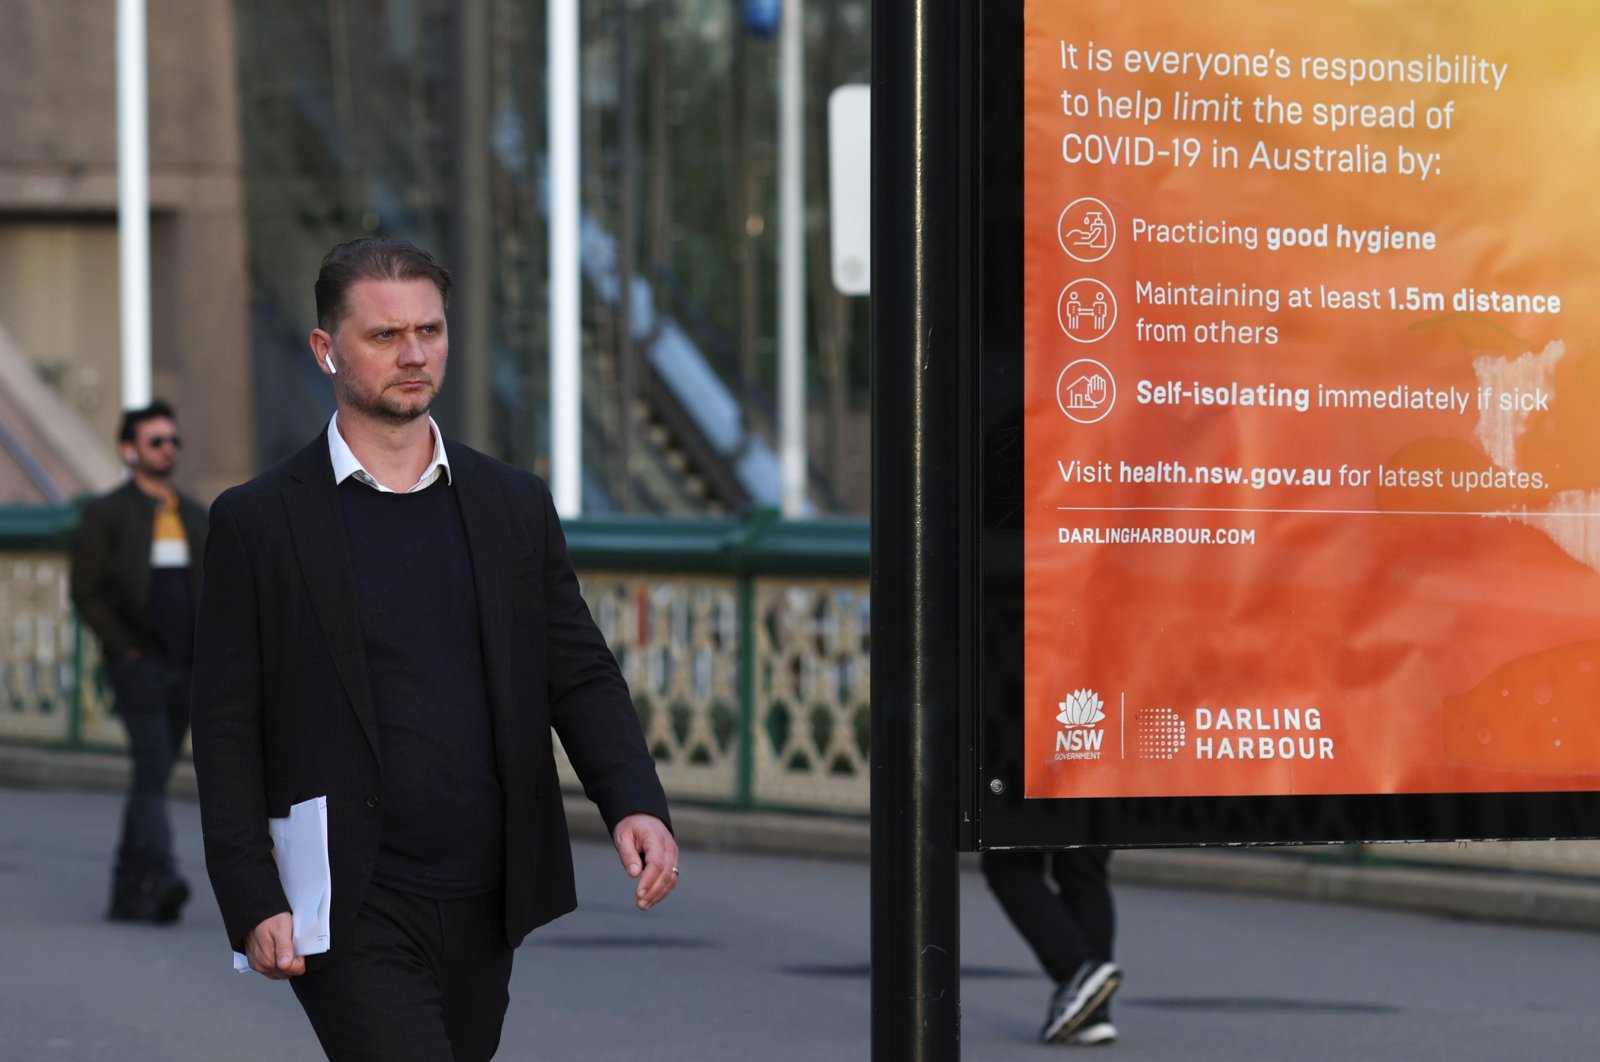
point(767, 957)
point(1309, 873)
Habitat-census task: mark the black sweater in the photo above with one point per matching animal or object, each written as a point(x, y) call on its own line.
point(441, 797)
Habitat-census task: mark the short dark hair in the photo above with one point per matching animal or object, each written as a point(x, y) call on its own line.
point(371, 258)
point(131, 419)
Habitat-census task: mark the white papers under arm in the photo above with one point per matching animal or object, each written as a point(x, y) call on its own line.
point(300, 847)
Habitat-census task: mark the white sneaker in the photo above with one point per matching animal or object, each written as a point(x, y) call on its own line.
point(1095, 1034)
point(1075, 1001)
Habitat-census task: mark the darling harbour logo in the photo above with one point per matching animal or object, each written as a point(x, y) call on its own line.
point(1081, 735)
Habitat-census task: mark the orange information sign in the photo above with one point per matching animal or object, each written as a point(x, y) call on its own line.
point(1311, 396)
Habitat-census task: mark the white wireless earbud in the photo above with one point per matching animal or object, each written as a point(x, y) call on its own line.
point(328, 358)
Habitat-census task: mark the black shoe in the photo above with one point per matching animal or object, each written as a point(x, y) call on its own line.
point(130, 907)
point(1076, 1000)
point(153, 898)
point(170, 898)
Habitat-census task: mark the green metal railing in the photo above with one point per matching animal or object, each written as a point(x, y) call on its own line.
point(745, 642)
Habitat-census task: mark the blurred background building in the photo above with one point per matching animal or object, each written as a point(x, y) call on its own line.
point(280, 127)
point(58, 245)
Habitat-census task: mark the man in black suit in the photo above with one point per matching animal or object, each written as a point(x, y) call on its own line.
point(135, 580)
point(390, 620)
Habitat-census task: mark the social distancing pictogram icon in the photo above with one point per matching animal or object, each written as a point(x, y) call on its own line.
point(1087, 310)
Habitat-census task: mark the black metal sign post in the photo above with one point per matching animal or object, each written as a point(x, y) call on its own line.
point(918, 329)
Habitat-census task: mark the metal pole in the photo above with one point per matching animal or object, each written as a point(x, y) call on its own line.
point(627, 255)
point(792, 260)
point(917, 348)
point(133, 202)
point(566, 293)
point(472, 314)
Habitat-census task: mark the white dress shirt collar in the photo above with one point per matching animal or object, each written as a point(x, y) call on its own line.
point(346, 464)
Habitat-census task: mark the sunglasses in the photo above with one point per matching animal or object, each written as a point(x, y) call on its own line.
point(155, 442)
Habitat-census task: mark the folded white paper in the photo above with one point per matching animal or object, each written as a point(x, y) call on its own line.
point(300, 847)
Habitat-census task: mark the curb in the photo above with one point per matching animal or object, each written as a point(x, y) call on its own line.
point(1483, 895)
point(41, 768)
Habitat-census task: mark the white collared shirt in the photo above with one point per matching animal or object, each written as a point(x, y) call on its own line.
point(346, 464)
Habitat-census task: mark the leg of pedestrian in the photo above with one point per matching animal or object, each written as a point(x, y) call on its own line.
point(1060, 939)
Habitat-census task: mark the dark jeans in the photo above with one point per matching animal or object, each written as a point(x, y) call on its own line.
point(1065, 925)
point(416, 980)
point(152, 699)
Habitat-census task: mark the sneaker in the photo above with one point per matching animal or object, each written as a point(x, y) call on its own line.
point(1096, 1029)
point(1094, 1034)
point(1076, 1000)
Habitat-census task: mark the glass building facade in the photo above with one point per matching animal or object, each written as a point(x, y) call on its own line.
point(427, 119)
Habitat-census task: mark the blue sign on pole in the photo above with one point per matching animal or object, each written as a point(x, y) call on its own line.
point(761, 17)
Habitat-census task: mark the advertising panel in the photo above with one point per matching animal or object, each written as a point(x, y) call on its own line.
point(1310, 388)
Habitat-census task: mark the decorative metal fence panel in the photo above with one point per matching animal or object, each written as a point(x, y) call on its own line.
point(812, 640)
point(38, 662)
point(676, 639)
point(52, 690)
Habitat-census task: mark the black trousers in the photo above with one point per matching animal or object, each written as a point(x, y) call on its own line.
point(1068, 920)
point(152, 700)
point(418, 980)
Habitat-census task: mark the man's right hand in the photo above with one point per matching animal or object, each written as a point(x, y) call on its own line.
point(270, 949)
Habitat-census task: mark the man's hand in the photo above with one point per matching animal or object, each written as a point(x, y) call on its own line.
point(270, 949)
point(649, 854)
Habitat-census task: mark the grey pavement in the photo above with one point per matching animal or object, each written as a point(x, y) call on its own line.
point(1307, 873)
point(760, 957)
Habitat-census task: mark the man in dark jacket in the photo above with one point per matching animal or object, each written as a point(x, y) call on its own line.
point(136, 581)
point(391, 627)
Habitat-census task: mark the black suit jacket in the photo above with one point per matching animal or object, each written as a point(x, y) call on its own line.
point(111, 566)
point(282, 709)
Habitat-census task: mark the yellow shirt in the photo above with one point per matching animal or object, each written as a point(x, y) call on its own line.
point(169, 546)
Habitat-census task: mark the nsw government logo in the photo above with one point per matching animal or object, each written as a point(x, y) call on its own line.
point(1081, 735)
